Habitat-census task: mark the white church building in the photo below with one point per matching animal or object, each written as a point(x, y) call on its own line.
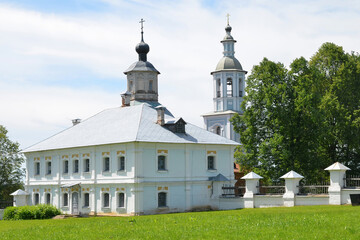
point(138, 158)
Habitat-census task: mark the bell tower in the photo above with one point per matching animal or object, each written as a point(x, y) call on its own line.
point(142, 76)
point(228, 90)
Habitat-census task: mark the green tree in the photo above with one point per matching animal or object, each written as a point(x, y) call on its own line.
point(11, 159)
point(301, 119)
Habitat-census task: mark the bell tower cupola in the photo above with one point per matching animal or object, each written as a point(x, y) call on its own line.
point(142, 76)
point(228, 89)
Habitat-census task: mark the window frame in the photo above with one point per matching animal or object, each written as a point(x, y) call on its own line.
point(86, 166)
point(121, 163)
point(65, 200)
point(48, 167)
point(36, 198)
point(86, 204)
point(160, 196)
point(105, 159)
point(46, 198)
point(213, 162)
point(103, 200)
point(119, 194)
point(76, 166)
point(66, 166)
point(37, 168)
point(165, 168)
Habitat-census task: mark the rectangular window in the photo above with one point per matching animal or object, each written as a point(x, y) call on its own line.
point(121, 200)
point(211, 162)
point(65, 200)
point(48, 168)
point(122, 163)
point(36, 198)
point(86, 199)
point(106, 200)
point(66, 166)
point(150, 85)
point(161, 162)
point(106, 164)
point(87, 165)
point(76, 166)
point(162, 199)
point(48, 198)
point(37, 168)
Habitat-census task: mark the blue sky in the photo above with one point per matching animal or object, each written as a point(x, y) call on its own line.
point(65, 59)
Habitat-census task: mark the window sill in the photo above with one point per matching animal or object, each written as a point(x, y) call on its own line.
point(120, 171)
point(87, 207)
point(120, 208)
point(163, 171)
point(87, 172)
point(163, 208)
point(76, 173)
point(65, 174)
point(212, 170)
point(48, 175)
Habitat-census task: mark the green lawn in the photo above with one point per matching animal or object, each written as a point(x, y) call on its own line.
point(313, 222)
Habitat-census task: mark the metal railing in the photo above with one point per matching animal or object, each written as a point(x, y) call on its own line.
point(229, 190)
point(352, 181)
point(314, 189)
point(276, 188)
point(5, 204)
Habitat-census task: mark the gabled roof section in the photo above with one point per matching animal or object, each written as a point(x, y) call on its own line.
point(125, 124)
point(291, 175)
point(337, 166)
point(252, 175)
point(19, 192)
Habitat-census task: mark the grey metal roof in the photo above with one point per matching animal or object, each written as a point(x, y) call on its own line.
point(219, 178)
point(228, 63)
point(142, 67)
point(125, 124)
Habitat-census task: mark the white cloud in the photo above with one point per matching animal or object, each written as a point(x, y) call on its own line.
point(184, 39)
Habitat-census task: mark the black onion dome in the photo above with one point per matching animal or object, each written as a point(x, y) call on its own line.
point(228, 28)
point(142, 47)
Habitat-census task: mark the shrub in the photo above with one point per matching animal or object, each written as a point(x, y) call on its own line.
point(41, 211)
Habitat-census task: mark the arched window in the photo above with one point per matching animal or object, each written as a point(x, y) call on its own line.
point(106, 200)
point(150, 86)
point(218, 130)
point(106, 164)
point(162, 199)
point(36, 199)
point(76, 166)
point(240, 89)
point(229, 87)
point(65, 200)
point(218, 88)
point(86, 199)
point(121, 202)
point(48, 198)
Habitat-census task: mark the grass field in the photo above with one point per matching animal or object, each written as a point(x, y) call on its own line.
point(313, 222)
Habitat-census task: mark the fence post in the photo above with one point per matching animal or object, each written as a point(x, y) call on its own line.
point(292, 180)
point(251, 188)
point(337, 174)
point(20, 198)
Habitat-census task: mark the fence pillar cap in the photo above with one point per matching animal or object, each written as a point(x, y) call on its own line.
point(19, 192)
point(292, 175)
point(337, 167)
point(252, 175)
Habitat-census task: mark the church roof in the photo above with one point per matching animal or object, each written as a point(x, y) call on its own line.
point(228, 63)
point(125, 124)
point(142, 67)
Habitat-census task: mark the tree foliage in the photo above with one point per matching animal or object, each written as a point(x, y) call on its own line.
point(303, 118)
point(11, 159)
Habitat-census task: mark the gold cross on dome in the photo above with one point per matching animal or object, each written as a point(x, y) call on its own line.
point(227, 16)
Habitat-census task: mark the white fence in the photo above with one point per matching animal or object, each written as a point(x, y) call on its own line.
point(334, 193)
